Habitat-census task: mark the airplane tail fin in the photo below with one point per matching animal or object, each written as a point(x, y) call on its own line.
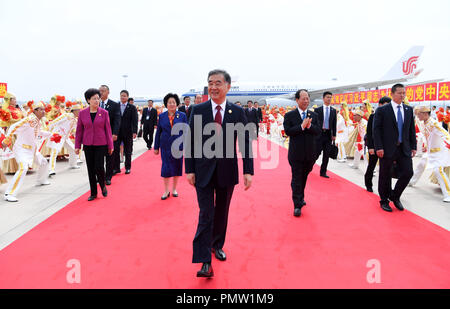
point(406, 67)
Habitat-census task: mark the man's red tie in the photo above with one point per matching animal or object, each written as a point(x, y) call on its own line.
point(218, 117)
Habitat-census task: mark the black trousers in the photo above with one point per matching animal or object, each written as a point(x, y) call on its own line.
point(110, 161)
point(127, 140)
point(95, 156)
point(148, 135)
point(212, 220)
point(373, 159)
point(300, 171)
point(323, 145)
point(405, 173)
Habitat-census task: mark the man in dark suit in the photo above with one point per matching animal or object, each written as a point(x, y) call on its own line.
point(214, 172)
point(302, 127)
point(394, 137)
point(252, 115)
point(185, 108)
point(148, 121)
point(259, 111)
point(368, 139)
point(127, 132)
point(113, 109)
point(327, 122)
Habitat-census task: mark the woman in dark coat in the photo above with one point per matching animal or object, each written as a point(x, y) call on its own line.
point(172, 167)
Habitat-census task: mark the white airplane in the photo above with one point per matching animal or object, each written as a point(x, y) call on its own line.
point(283, 93)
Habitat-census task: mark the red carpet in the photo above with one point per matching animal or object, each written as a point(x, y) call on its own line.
point(132, 239)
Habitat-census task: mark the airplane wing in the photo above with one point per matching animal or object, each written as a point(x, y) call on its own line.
point(403, 70)
point(317, 93)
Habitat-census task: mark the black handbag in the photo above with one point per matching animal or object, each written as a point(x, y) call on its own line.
point(139, 133)
point(333, 151)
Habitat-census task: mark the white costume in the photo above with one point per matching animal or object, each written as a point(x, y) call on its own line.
point(437, 156)
point(341, 137)
point(359, 143)
point(27, 131)
point(420, 136)
point(64, 126)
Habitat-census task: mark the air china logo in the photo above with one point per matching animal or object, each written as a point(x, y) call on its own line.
point(409, 66)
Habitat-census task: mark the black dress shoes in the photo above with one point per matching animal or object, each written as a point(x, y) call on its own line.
point(398, 204)
point(324, 175)
point(369, 189)
point(116, 172)
point(127, 171)
point(91, 198)
point(206, 271)
point(219, 254)
point(297, 212)
point(104, 192)
point(108, 182)
point(164, 197)
point(303, 203)
point(385, 206)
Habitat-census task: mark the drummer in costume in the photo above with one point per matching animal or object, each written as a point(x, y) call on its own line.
point(438, 152)
point(342, 123)
point(356, 139)
point(26, 150)
point(62, 129)
point(9, 115)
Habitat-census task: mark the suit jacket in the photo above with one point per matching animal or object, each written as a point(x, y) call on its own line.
point(332, 119)
point(164, 137)
point(302, 143)
point(252, 115)
point(369, 134)
point(260, 115)
point(183, 109)
point(113, 109)
point(129, 121)
point(153, 117)
point(227, 167)
point(97, 133)
point(385, 130)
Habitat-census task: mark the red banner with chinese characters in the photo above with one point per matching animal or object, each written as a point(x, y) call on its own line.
point(362, 95)
point(444, 91)
point(416, 93)
point(431, 92)
point(356, 97)
point(3, 89)
point(410, 93)
point(419, 93)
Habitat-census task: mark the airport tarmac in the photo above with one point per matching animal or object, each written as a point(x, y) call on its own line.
point(36, 204)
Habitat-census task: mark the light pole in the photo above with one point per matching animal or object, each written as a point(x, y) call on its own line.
point(125, 78)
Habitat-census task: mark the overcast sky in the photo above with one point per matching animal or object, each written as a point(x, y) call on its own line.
point(64, 47)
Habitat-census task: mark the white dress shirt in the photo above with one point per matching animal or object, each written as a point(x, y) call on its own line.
point(214, 110)
point(325, 108)
point(395, 108)
point(104, 103)
point(301, 116)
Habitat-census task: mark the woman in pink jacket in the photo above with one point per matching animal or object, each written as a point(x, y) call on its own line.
point(94, 133)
